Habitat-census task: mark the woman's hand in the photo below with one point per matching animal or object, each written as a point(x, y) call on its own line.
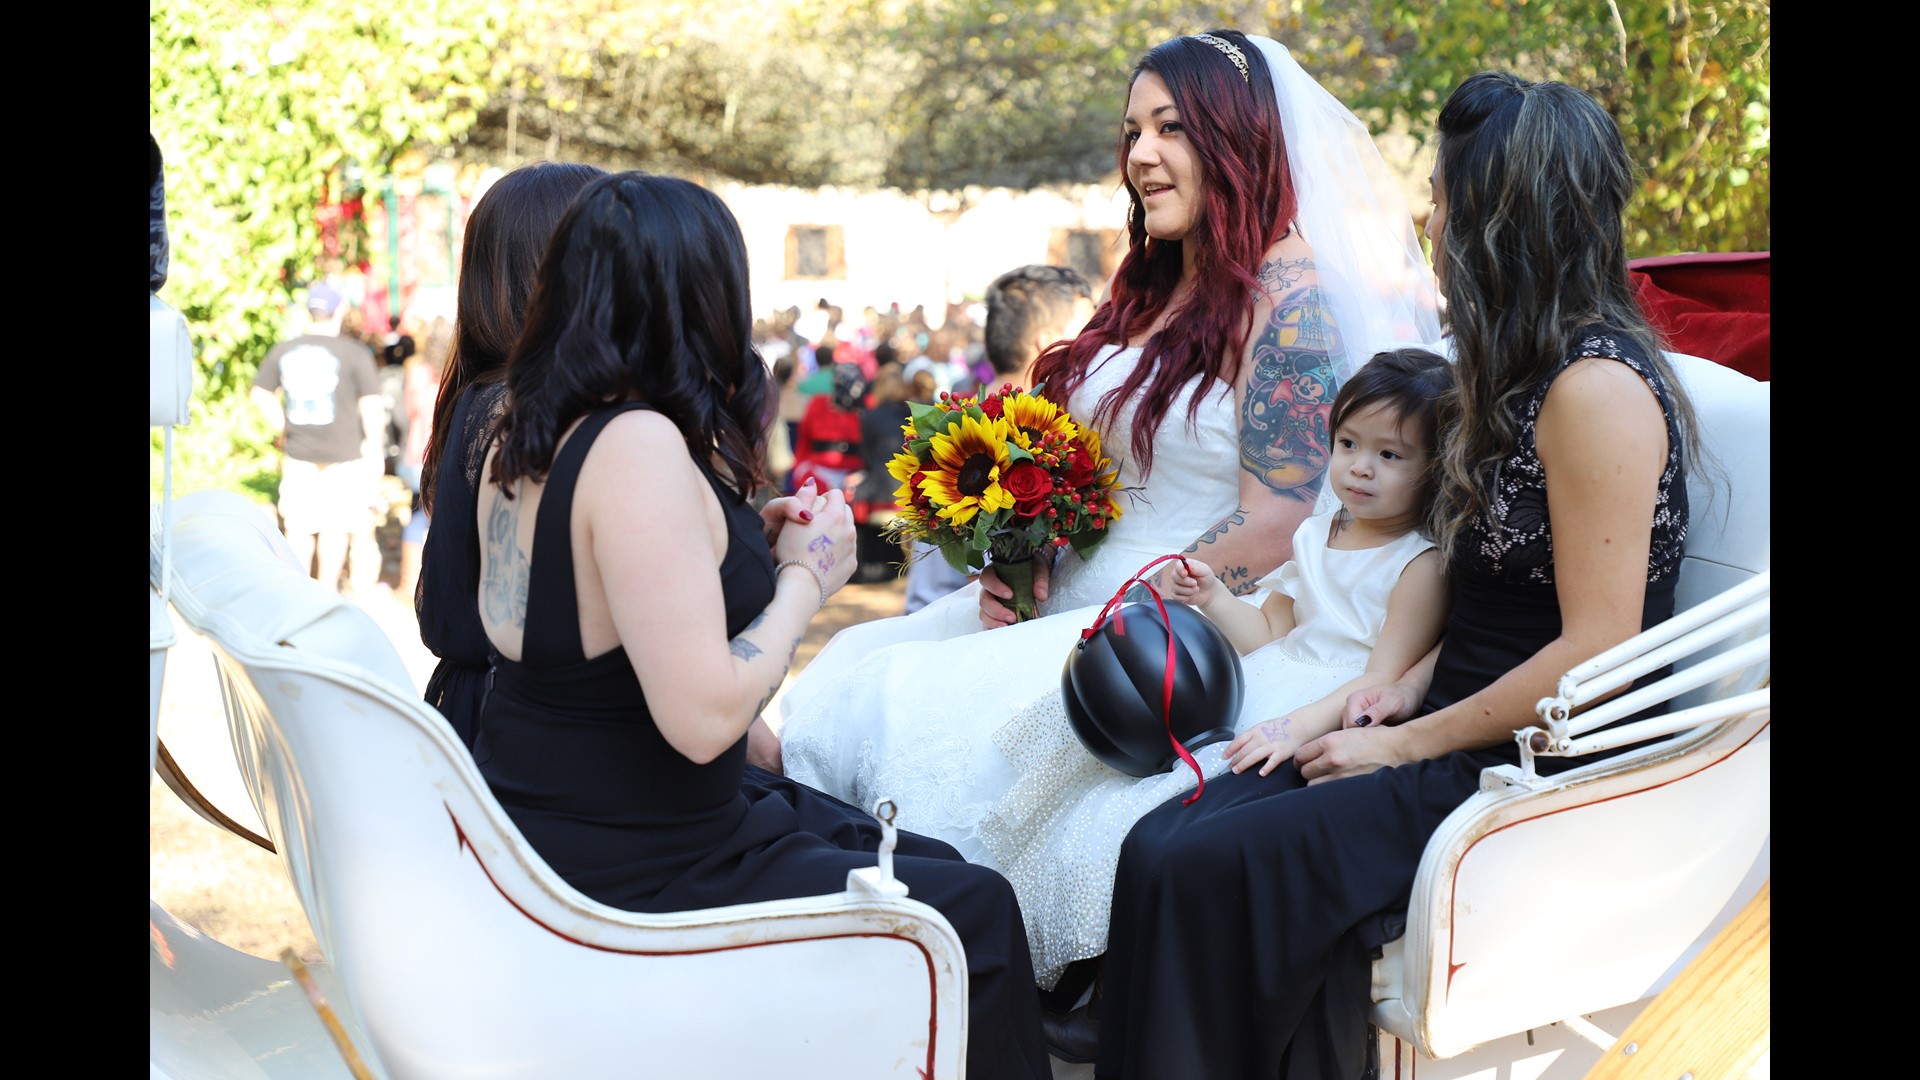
point(1351, 752)
point(1189, 581)
point(1379, 706)
point(826, 542)
point(763, 747)
point(994, 593)
point(1269, 742)
point(797, 507)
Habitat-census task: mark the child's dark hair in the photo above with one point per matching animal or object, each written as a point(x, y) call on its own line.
point(1416, 384)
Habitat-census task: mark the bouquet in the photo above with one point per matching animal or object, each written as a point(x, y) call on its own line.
point(1004, 477)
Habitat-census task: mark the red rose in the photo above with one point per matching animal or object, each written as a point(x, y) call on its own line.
point(1030, 487)
point(993, 408)
point(919, 498)
point(1079, 466)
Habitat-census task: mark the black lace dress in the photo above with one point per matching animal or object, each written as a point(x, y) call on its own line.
point(570, 750)
point(446, 598)
point(1244, 926)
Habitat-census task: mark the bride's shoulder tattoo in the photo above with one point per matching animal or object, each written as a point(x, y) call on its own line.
point(1279, 276)
point(1290, 387)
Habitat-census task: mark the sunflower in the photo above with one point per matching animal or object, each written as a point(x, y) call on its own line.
point(1032, 417)
point(1106, 475)
point(963, 478)
point(901, 467)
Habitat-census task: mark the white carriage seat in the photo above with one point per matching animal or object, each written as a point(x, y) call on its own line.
point(456, 950)
point(1537, 902)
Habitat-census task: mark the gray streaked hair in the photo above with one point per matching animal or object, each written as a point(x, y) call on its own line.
point(1536, 180)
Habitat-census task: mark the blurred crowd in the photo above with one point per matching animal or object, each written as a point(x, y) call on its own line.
point(845, 382)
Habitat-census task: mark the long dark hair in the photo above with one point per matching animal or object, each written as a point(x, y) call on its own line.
point(1234, 126)
point(642, 296)
point(1416, 385)
point(1536, 181)
point(506, 235)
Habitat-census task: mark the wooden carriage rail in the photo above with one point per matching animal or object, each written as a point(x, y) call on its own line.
point(1715, 1020)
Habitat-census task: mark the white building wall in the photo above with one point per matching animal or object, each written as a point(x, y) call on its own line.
point(905, 250)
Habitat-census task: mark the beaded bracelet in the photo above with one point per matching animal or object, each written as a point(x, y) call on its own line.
point(809, 568)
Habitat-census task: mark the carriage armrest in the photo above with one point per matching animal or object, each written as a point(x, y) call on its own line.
point(232, 564)
point(170, 374)
point(1535, 905)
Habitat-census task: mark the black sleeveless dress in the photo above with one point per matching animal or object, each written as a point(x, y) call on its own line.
point(446, 604)
point(445, 600)
point(1244, 926)
point(569, 748)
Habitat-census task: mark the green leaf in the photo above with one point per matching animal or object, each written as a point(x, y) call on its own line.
point(959, 556)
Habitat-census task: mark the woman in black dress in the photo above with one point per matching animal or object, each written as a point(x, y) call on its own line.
point(506, 233)
point(1243, 925)
point(640, 618)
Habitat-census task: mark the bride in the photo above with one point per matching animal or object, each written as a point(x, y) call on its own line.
point(1270, 251)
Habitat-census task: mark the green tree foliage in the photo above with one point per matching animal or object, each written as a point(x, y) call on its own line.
point(1688, 81)
point(1019, 95)
point(256, 107)
point(690, 87)
point(260, 107)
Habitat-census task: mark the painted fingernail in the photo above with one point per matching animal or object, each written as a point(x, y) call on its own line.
point(1363, 721)
point(806, 515)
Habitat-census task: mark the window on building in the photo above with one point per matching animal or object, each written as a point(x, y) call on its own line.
point(815, 252)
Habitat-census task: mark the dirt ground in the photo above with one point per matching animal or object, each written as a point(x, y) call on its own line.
point(231, 890)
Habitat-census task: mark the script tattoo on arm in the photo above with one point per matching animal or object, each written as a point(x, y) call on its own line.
point(1238, 579)
point(1290, 390)
point(766, 698)
point(792, 651)
point(503, 589)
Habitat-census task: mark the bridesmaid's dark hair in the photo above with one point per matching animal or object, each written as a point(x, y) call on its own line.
point(506, 234)
point(641, 297)
point(1234, 126)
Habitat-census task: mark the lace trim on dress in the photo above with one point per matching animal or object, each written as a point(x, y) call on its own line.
point(930, 775)
point(1514, 543)
point(1056, 833)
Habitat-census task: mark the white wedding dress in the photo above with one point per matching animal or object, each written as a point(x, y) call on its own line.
point(905, 708)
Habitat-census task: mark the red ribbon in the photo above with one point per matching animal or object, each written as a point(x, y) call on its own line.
point(1166, 683)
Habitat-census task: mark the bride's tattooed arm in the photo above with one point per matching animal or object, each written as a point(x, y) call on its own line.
point(1283, 416)
point(1287, 386)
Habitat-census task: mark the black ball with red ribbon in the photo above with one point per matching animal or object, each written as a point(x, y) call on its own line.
point(1140, 706)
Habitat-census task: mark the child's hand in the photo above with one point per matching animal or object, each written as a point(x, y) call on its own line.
point(1268, 743)
point(1189, 581)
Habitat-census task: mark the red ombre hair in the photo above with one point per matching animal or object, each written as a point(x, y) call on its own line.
point(1249, 206)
